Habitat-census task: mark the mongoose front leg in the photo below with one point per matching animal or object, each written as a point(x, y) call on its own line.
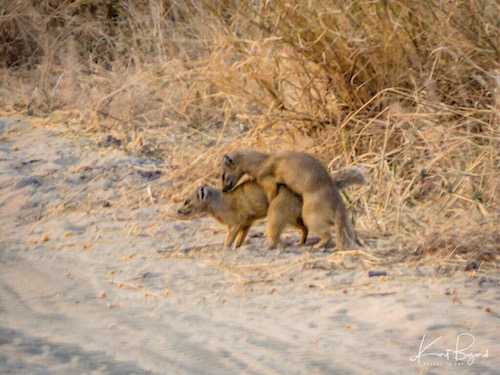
point(231, 235)
point(270, 186)
point(242, 234)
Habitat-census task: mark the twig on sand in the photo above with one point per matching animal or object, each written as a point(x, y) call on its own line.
point(185, 249)
point(382, 294)
point(138, 287)
point(150, 195)
point(246, 280)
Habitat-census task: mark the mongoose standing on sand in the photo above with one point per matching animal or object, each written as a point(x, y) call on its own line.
point(247, 202)
point(277, 213)
point(303, 174)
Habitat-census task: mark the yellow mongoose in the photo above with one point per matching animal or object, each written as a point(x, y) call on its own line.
point(239, 208)
point(305, 175)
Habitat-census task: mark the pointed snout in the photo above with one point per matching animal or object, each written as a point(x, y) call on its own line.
point(228, 187)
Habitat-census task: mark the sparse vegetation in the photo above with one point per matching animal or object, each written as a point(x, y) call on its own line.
point(409, 90)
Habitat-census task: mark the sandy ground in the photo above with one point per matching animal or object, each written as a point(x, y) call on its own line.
point(96, 278)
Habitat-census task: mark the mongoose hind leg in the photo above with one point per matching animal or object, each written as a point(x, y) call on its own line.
point(325, 239)
point(317, 220)
point(321, 228)
point(351, 232)
point(276, 222)
point(347, 235)
point(340, 230)
point(301, 226)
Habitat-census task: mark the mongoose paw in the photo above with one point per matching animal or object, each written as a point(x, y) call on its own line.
point(321, 245)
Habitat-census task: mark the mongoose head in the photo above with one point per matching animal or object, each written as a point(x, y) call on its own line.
point(196, 203)
point(231, 172)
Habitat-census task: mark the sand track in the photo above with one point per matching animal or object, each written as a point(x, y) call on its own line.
point(83, 288)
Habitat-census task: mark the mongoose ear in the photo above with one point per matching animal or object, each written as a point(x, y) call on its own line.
point(228, 160)
point(201, 193)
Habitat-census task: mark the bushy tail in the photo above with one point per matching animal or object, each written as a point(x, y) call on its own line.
point(349, 176)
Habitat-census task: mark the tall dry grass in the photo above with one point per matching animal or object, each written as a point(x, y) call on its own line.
point(409, 90)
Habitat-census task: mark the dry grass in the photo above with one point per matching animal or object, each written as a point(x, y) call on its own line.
point(409, 90)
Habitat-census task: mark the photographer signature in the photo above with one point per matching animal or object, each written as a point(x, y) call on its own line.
point(460, 353)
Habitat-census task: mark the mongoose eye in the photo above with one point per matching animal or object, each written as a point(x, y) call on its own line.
point(188, 201)
point(228, 160)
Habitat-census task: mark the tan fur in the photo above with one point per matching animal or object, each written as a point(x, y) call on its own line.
point(322, 204)
point(284, 210)
point(239, 208)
